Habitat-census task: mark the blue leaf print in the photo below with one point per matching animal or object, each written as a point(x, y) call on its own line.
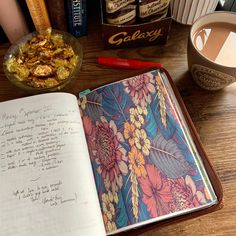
point(168, 158)
point(93, 106)
point(126, 190)
point(98, 179)
point(151, 124)
point(121, 215)
point(143, 212)
point(116, 104)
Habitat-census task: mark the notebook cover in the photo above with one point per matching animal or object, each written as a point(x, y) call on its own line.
point(157, 175)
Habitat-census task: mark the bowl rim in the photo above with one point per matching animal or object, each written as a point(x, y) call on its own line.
point(13, 48)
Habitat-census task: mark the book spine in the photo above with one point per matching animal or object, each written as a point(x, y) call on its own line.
point(12, 20)
point(56, 10)
point(39, 14)
point(77, 17)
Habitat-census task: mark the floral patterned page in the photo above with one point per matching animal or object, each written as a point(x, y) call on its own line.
point(175, 106)
point(144, 163)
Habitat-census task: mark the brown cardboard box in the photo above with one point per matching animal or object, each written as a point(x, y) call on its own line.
point(145, 34)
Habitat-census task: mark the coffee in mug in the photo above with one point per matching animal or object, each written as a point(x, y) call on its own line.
point(212, 50)
point(217, 42)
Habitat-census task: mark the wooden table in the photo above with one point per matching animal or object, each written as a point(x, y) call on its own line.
point(213, 113)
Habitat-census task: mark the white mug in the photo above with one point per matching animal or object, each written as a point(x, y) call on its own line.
point(206, 72)
point(187, 11)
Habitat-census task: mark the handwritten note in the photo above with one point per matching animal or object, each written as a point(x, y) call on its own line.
point(48, 194)
point(45, 169)
point(35, 138)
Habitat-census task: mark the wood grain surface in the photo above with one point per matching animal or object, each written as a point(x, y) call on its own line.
point(213, 114)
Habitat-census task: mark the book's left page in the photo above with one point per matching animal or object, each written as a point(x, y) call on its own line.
point(47, 185)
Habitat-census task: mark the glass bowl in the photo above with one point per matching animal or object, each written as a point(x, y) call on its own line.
point(52, 85)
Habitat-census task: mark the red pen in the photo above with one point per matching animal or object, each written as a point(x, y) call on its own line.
point(117, 62)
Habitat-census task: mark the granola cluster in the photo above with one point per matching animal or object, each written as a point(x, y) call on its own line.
point(44, 61)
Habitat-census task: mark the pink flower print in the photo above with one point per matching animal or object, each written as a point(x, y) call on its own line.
point(156, 192)
point(185, 194)
point(110, 155)
point(139, 89)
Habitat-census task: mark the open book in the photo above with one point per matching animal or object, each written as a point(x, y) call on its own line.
point(125, 157)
